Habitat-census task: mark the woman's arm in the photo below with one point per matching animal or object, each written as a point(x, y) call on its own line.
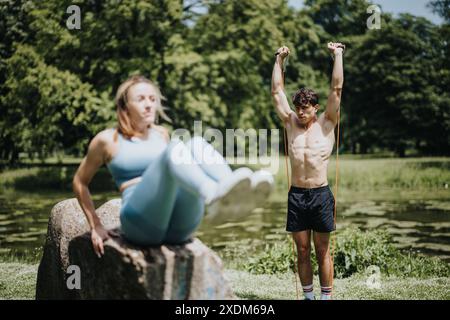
point(83, 176)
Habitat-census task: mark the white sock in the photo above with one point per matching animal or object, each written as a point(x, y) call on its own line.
point(308, 292)
point(325, 293)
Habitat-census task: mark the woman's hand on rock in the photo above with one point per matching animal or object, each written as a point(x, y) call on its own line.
point(98, 235)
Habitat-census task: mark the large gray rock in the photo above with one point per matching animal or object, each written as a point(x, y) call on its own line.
point(66, 222)
point(126, 271)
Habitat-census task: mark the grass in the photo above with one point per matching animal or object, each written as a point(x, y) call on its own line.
point(380, 174)
point(382, 178)
point(355, 172)
point(359, 178)
point(282, 286)
point(386, 173)
point(59, 178)
point(269, 274)
point(18, 280)
point(25, 256)
point(355, 251)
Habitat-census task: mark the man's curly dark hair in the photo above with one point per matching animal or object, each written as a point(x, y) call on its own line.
point(304, 96)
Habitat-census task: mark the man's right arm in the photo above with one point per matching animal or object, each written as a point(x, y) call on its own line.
point(278, 95)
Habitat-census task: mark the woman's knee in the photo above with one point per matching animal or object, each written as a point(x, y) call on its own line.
point(204, 152)
point(196, 143)
point(178, 153)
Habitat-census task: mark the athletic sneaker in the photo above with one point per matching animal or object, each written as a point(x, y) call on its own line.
point(231, 194)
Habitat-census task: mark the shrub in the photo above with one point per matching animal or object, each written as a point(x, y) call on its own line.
point(355, 251)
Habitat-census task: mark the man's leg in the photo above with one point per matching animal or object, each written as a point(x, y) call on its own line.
point(303, 242)
point(322, 247)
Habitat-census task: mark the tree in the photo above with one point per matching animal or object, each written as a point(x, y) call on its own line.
point(47, 109)
point(442, 8)
point(213, 61)
point(339, 17)
point(393, 100)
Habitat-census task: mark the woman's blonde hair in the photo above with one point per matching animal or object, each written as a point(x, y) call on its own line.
point(125, 127)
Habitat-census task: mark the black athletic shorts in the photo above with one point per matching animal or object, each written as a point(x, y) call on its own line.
point(310, 209)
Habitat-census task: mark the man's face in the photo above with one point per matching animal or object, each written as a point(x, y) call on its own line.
point(306, 112)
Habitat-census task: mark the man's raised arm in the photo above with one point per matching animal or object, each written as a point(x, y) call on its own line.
point(337, 81)
point(279, 97)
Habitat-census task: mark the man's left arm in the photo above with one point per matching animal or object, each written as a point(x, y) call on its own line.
point(337, 81)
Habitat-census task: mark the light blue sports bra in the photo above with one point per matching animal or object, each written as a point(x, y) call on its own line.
point(135, 155)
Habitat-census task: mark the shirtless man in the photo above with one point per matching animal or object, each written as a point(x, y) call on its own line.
point(310, 139)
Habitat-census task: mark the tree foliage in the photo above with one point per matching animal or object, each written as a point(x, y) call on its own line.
point(213, 61)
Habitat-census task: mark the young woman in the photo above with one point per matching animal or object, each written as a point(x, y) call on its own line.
point(165, 184)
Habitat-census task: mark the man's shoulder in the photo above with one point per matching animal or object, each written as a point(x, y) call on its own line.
point(325, 123)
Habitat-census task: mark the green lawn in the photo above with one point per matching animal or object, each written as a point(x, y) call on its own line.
point(18, 280)
point(368, 178)
point(250, 286)
point(359, 177)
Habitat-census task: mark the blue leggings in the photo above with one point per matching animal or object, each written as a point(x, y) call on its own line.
point(167, 205)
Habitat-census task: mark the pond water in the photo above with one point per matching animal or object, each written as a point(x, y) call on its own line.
point(423, 225)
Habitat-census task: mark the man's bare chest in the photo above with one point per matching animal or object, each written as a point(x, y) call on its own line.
point(315, 138)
